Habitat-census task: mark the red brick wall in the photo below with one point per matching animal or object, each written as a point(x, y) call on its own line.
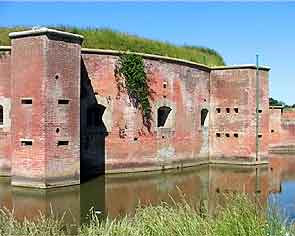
point(62, 120)
point(236, 89)
point(5, 102)
point(128, 142)
point(288, 126)
point(28, 81)
point(282, 130)
point(37, 61)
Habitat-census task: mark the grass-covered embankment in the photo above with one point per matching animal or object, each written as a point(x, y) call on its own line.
point(239, 217)
point(109, 39)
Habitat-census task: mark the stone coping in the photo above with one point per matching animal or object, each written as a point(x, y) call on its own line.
point(158, 57)
point(172, 59)
point(276, 107)
point(289, 109)
point(44, 30)
point(243, 66)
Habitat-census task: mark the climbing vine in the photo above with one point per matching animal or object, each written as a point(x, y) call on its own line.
point(133, 78)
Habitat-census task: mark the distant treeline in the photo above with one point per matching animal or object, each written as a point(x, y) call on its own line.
point(274, 102)
point(110, 39)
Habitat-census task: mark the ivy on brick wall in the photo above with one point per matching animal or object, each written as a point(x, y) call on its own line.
point(133, 78)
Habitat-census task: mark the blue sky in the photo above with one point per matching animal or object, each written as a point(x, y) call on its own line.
point(236, 30)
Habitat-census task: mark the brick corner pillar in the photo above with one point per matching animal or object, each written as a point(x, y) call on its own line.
point(45, 108)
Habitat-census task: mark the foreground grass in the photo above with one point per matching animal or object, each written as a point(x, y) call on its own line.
point(109, 39)
point(240, 216)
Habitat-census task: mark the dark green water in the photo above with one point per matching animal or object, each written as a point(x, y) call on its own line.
point(117, 195)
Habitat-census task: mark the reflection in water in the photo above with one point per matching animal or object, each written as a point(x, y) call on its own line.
point(282, 190)
point(116, 195)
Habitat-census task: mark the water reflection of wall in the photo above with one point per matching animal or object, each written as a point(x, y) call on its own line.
point(225, 179)
point(5, 193)
point(124, 193)
point(115, 195)
point(29, 203)
point(282, 168)
point(202, 186)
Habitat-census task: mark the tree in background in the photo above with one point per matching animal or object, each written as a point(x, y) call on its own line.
point(274, 102)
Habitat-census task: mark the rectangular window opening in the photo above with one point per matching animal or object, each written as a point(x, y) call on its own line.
point(63, 101)
point(236, 110)
point(26, 101)
point(1, 115)
point(62, 143)
point(26, 142)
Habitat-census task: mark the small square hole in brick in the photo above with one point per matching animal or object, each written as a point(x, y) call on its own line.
point(259, 111)
point(227, 135)
point(236, 110)
point(62, 143)
point(26, 142)
point(63, 101)
point(259, 135)
point(218, 110)
point(135, 139)
point(27, 101)
point(236, 135)
point(272, 131)
point(218, 135)
point(227, 110)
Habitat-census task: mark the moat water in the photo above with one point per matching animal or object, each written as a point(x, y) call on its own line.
point(118, 195)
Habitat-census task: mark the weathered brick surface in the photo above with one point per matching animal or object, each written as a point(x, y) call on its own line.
point(47, 69)
point(28, 121)
point(62, 120)
point(128, 143)
point(233, 114)
point(5, 102)
point(282, 130)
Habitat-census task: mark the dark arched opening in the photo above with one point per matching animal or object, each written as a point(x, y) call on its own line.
point(163, 113)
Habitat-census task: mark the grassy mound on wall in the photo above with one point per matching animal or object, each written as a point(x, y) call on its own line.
point(110, 39)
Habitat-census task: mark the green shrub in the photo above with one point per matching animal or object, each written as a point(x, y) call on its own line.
point(131, 68)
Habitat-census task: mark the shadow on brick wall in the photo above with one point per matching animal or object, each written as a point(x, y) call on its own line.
point(93, 130)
